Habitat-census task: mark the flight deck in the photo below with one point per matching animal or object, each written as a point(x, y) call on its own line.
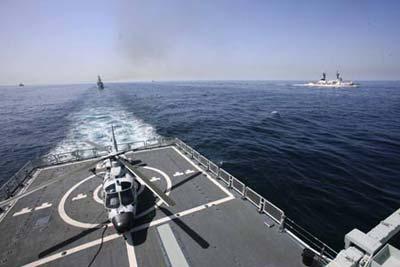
point(217, 221)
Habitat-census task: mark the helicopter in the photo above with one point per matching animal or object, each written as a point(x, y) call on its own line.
point(119, 188)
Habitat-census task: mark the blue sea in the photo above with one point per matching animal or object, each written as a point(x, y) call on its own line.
point(330, 158)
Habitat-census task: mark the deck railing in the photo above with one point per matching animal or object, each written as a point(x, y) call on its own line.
point(12, 185)
point(324, 252)
point(263, 205)
point(16, 180)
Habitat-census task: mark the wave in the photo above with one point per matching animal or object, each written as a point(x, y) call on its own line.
point(94, 124)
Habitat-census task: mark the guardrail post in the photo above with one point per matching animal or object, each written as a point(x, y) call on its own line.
point(230, 182)
point(8, 192)
point(55, 158)
point(282, 223)
point(244, 192)
point(261, 208)
point(321, 253)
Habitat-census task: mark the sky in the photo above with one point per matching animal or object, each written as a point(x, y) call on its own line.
point(50, 41)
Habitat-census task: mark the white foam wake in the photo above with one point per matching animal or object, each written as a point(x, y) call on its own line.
point(94, 124)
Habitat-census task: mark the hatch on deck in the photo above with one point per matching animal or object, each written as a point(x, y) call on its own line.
point(389, 256)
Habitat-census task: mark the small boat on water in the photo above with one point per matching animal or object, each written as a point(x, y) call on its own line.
point(100, 84)
point(21, 84)
point(338, 83)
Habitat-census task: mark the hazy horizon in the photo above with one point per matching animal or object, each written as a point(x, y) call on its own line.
point(48, 42)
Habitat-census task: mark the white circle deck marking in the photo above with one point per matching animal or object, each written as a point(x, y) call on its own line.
point(159, 202)
point(65, 217)
point(96, 194)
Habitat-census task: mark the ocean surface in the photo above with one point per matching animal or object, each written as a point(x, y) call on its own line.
point(330, 158)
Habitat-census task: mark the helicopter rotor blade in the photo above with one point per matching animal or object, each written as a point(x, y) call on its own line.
point(52, 181)
point(97, 146)
point(146, 181)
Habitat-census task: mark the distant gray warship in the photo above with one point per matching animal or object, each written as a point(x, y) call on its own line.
point(338, 83)
point(100, 84)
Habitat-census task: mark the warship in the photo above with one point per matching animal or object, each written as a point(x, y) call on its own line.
point(100, 84)
point(214, 220)
point(338, 83)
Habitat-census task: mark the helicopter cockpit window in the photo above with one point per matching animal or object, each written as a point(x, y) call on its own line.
point(112, 200)
point(110, 188)
point(126, 197)
point(125, 185)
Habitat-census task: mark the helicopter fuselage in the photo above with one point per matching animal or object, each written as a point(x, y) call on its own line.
point(119, 196)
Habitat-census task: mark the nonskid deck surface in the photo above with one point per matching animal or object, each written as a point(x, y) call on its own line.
point(66, 224)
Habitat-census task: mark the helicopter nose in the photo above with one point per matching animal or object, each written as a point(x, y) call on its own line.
point(123, 222)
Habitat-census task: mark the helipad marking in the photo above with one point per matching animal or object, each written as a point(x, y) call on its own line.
point(140, 227)
point(167, 192)
point(189, 171)
point(96, 194)
point(183, 213)
point(206, 174)
point(171, 246)
point(137, 228)
point(23, 190)
point(71, 251)
point(130, 249)
point(23, 211)
point(63, 214)
point(79, 196)
point(44, 206)
point(178, 174)
point(154, 179)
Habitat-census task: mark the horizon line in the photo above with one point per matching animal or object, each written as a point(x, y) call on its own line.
point(185, 80)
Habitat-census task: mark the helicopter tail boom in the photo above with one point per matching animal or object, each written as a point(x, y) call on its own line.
point(114, 141)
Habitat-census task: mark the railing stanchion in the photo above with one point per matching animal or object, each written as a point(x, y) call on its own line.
point(322, 251)
point(230, 182)
point(244, 192)
point(8, 192)
point(261, 208)
point(282, 223)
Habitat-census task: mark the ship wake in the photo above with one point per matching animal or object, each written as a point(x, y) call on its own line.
point(94, 124)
